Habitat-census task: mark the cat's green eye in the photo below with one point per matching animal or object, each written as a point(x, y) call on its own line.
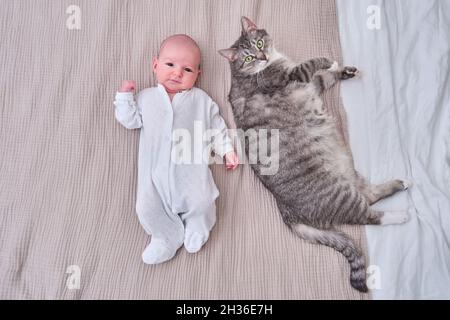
point(260, 44)
point(249, 59)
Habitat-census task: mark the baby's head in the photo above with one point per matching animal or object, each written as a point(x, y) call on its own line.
point(177, 65)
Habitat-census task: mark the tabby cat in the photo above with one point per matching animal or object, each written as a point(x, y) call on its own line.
point(316, 187)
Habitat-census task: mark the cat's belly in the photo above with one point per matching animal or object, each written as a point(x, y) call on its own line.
point(328, 142)
point(309, 158)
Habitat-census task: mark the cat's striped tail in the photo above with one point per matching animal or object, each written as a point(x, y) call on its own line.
point(342, 243)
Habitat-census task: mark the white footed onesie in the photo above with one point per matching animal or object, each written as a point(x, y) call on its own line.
point(176, 192)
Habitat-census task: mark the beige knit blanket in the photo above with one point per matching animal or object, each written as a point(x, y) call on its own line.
point(68, 169)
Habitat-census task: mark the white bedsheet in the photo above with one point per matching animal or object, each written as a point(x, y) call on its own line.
point(399, 127)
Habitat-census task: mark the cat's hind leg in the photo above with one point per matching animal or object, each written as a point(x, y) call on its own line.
point(370, 216)
point(374, 193)
point(394, 217)
point(357, 212)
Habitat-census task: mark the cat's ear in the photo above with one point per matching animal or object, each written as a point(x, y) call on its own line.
point(230, 54)
point(247, 25)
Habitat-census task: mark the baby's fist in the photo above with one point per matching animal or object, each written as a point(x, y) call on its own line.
point(127, 86)
point(231, 160)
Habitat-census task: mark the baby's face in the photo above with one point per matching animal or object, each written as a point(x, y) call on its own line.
point(177, 67)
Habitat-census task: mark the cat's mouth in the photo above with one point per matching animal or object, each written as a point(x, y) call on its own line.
point(263, 63)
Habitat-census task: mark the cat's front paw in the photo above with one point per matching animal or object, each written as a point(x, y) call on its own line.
point(348, 73)
point(334, 67)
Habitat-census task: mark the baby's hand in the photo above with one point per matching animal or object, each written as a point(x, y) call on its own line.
point(127, 86)
point(231, 160)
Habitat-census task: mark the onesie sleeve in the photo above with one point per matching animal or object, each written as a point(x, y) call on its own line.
point(222, 143)
point(127, 111)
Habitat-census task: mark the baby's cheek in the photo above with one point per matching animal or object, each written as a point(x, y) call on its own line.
point(191, 81)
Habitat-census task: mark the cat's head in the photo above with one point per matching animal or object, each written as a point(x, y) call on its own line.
point(252, 52)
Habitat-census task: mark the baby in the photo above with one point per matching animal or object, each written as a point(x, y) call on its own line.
point(175, 201)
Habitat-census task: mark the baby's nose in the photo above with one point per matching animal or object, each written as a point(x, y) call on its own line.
point(178, 72)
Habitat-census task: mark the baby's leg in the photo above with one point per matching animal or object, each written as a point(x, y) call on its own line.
point(198, 221)
point(166, 228)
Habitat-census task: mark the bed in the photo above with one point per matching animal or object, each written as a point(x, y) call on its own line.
point(399, 127)
point(68, 169)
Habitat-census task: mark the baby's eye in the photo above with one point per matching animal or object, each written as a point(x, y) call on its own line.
point(260, 44)
point(188, 69)
point(170, 64)
point(249, 59)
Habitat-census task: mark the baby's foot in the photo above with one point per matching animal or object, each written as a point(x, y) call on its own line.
point(157, 252)
point(193, 241)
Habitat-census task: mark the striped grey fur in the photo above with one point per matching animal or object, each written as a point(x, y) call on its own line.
point(316, 186)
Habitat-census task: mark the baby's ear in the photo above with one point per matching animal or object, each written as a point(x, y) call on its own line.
point(154, 63)
point(230, 54)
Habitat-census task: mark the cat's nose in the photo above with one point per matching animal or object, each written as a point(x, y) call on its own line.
point(261, 56)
